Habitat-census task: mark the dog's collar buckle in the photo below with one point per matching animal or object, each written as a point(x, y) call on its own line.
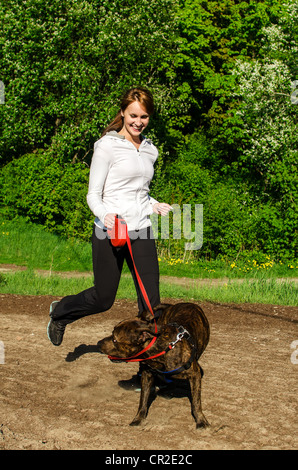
point(182, 333)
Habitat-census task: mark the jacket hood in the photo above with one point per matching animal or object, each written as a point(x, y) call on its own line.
point(119, 136)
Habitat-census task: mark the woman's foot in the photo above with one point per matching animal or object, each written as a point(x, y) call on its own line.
point(55, 331)
point(55, 328)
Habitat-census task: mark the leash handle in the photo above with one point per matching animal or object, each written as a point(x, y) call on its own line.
point(117, 234)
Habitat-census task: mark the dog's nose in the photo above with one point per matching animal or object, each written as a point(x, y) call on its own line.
point(99, 347)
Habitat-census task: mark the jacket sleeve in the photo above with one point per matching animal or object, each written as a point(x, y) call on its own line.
point(100, 165)
point(152, 201)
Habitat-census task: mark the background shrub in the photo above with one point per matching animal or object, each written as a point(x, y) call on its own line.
point(222, 74)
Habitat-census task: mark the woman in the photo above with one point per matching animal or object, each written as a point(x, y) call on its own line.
point(120, 174)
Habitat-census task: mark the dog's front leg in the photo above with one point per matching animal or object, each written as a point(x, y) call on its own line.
point(195, 380)
point(147, 380)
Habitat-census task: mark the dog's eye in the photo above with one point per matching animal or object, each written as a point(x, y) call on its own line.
point(114, 340)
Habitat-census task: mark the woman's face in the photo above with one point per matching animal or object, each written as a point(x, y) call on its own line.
point(135, 120)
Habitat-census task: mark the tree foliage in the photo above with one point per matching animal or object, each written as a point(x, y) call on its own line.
point(221, 72)
point(65, 63)
point(215, 34)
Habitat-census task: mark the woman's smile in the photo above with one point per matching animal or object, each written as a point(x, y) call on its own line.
point(135, 120)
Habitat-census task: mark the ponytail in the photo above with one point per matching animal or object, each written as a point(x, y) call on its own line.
point(115, 125)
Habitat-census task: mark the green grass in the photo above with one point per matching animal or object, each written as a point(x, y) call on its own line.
point(31, 246)
point(252, 268)
point(250, 290)
point(30, 283)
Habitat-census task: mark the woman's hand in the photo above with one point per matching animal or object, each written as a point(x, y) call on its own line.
point(109, 220)
point(162, 208)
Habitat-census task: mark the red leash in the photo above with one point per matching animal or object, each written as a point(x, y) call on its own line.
point(119, 237)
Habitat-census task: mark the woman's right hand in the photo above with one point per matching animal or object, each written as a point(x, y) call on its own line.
point(162, 208)
point(109, 220)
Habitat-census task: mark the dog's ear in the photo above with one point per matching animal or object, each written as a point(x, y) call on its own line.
point(145, 334)
point(146, 316)
point(161, 307)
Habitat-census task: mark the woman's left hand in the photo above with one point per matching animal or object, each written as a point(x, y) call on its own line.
point(162, 208)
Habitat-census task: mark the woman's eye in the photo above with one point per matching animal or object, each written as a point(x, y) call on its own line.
point(134, 116)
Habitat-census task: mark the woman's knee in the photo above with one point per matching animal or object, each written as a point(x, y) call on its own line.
point(105, 301)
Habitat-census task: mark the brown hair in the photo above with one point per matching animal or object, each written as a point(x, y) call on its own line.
point(140, 94)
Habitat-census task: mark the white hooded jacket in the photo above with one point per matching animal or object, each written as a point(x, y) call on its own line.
point(119, 180)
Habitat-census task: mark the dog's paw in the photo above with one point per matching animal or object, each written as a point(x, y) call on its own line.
point(202, 424)
point(136, 422)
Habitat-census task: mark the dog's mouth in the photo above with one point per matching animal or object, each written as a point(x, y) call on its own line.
point(101, 347)
point(111, 350)
point(128, 340)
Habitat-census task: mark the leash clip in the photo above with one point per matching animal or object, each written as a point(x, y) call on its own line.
point(183, 333)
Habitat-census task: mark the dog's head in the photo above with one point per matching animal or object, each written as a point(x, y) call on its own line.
point(128, 338)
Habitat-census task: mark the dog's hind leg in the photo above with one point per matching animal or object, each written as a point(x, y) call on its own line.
point(147, 380)
point(195, 380)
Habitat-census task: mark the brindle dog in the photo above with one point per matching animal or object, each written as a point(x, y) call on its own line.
point(185, 328)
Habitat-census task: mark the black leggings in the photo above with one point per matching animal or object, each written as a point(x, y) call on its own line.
point(107, 267)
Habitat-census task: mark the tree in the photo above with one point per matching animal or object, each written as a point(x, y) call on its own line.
point(214, 35)
point(269, 123)
point(268, 116)
point(65, 63)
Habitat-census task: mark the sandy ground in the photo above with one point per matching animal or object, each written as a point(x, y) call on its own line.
point(69, 397)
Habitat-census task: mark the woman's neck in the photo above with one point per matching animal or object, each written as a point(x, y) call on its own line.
point(136, 141)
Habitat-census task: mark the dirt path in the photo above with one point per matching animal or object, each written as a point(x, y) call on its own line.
point(69, 397)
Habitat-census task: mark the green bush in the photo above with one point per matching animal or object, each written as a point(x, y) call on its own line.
point(222, 66)
point(37, 187)
point(236, 221)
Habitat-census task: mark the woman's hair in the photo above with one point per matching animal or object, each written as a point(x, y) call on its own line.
point(140, 94)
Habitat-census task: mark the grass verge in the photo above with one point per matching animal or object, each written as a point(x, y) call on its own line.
point(27, 244)
point(30, 245)
point(267, 291)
